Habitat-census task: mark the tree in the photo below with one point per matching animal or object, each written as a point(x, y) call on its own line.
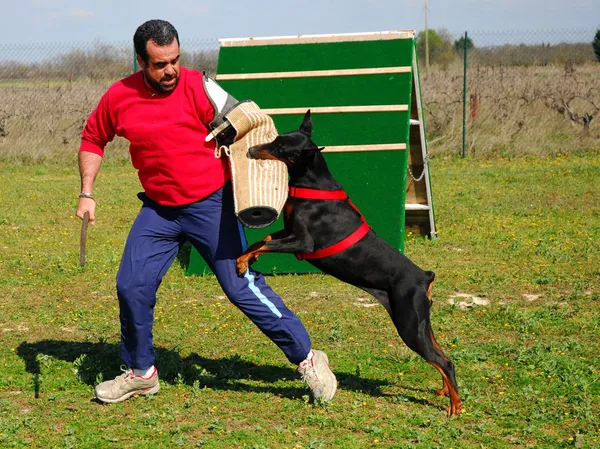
point(440, 47)
point(596, 45)
point(459, 45)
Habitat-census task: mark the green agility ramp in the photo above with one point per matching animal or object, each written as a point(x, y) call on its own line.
point(365, 101)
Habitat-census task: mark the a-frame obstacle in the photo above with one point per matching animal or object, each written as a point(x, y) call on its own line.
point(364, 95)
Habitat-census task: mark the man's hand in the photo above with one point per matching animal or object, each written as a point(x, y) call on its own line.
point(89, 166)
point(86, 205)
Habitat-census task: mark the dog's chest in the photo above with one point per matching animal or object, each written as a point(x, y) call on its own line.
point(323, 220)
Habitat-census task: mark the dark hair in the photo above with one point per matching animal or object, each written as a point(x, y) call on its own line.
point(159, 31)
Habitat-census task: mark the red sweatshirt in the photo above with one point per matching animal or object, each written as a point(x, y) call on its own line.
point(166, 135)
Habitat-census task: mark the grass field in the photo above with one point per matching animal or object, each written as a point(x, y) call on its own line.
point(518, 254)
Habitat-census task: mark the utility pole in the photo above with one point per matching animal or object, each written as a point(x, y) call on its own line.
point(426, 37)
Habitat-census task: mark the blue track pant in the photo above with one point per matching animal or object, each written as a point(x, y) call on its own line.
point(212, 228)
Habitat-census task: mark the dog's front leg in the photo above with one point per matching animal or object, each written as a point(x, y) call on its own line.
point(285, 244)
point(251, 254)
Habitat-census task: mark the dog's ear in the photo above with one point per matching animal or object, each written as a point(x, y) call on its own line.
point(307, 125)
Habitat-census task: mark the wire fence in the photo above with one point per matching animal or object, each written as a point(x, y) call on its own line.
point(527, 92)
point(529, 48)
point(94, 62)
point(538, 90)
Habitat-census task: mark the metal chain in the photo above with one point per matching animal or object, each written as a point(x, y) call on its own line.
point(425, 161)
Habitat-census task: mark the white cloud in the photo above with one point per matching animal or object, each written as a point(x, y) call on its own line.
point(42, 4)
point(81, 13)
point(73, 13)
point(192, 8)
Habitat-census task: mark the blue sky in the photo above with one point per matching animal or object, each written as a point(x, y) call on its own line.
point(38, 21)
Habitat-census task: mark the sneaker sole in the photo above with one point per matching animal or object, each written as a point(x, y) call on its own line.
point(152, 390)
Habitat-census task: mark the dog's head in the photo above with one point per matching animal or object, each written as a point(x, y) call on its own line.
point(291, 148)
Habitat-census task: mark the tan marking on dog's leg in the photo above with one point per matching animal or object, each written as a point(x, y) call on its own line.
point(445, 390)
point(251, 254)
point(455, 403)
point(435, 343)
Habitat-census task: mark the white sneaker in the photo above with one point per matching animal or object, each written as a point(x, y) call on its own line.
point(126, 385)
point(316, 373)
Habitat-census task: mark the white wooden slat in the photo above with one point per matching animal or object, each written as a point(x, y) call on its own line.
point(317, 38)
point(357, 148)
point(313, 73)
point(336, 109)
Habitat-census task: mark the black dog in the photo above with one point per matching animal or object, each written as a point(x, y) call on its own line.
point(323, 226)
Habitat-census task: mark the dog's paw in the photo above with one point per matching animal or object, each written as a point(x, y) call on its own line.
point(454, 409)
point(241, 265)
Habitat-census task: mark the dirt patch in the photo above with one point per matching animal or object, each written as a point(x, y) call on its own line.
point(365, 302)
point(18, 328)
point(467, 301)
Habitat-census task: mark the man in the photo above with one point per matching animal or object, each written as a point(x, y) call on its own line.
point(164, 112)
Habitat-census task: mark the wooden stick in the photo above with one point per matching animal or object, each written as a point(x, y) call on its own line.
point(83, 238)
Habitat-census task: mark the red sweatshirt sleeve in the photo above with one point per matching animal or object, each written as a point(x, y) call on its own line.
point(99, 129)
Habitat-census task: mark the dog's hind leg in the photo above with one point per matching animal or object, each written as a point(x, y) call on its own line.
point(381, 296)
point(449, 387)
point(411, 316)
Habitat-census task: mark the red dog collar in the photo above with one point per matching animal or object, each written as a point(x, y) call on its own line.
point(314, 194)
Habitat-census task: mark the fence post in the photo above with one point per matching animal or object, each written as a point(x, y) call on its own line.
point(465, 98)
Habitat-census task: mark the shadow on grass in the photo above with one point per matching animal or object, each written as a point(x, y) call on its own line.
point(97, 361)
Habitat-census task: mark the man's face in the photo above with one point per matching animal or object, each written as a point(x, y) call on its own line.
point(161, 72)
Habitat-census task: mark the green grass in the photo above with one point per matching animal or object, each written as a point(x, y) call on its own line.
point(527, 366)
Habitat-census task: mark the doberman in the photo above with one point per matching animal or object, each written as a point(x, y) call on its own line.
point(322, 226)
